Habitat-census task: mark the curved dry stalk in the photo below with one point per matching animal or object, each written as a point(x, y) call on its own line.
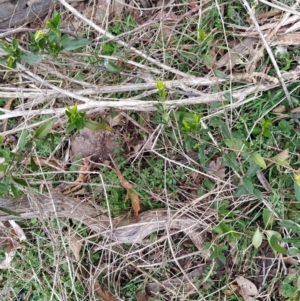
point(141, 105)
point(129, 230)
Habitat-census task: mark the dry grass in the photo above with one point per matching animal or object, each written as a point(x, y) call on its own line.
point(164, 251)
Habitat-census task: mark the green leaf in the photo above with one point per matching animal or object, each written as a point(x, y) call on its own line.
point(291, 226)
point(257, 238)
point(284, 126)
point(54, 23)
point(15, 44)
point(9, 212)
point(93, 125)
point(234, 144)
point(3, 167)
point(3, 188)
point(72, 44)
point(33, 165)
point(253, 168)
point(20, 181)
point(241, 190)
point(297, 191)
point(70, 127)
point(23, 140)
point(31, 58)
point(230, 161)
point(111, 67)
point(273, 233)
point(259, 160)
point(44, 129)
point(258, 194)
point(281, 161)
point(293, 251)
point(16, 192)
point(220, 74)
point(247, 182)
point(276, 247)
point(268, 218)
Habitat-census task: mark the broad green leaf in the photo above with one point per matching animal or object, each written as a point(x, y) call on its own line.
point(234, 143)
point(72, 44)
point(297, 179)
point(160, 85)
point(297, 191)
point(220, 74)
point(253, 168)
point(258, 194)
point(16, 192)
point(222, 228)
point(54, 22)
point(241, 190)
point(33, 165)
point(23, 140)
point(291, 226)
point(8, 211)
point(295, 241)
point(93, 125)
point(276, 247)
point(20, 181)
point(111, 67)
point(268, 218)
point(273, 233)
point(259, 160)
point(15, 44)
point(257, 238)
point(247, 182)
point(230, 161)
point(281, 161)
point(70, 127)
point(298, 283)
point(31, 58)
point(44, 129)
point(3, 188)
point(293, 251)
point(3, 167)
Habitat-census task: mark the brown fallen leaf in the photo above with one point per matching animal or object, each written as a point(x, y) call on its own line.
point(217, 168)
point(231, 58)
point(232, 288)
point(17, 230)
point(295, 110)
point(83, 172)
point(140, 296)
point(283, 154)
point(43, 162)
point(75, 245)
point(279, 109)
point(247, 288)
point(82, 178)
point(103, 293)
point(7, 106)
point(264, 182)
point(131, 194)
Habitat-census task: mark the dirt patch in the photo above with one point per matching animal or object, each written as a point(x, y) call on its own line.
point(100, 145)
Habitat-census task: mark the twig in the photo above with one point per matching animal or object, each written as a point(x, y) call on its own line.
point(270, 53)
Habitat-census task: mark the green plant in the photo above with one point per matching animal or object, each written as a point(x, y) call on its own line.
point(15, 54)
point(52, 41)
point(78, 120)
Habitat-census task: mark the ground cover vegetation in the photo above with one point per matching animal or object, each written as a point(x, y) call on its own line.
point(150, 151)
